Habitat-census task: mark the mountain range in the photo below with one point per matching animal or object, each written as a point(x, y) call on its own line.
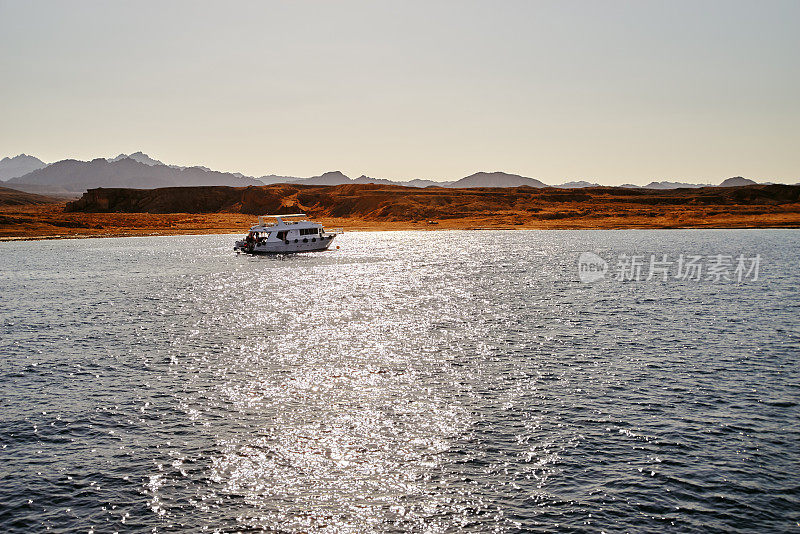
point(78, 176)
point(138, 170)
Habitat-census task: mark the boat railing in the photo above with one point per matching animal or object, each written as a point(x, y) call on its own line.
point(334, 230)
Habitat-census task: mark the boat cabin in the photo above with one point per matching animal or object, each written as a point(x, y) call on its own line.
point(277, 228)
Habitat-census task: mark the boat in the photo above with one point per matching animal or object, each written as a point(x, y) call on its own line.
point(275, 235)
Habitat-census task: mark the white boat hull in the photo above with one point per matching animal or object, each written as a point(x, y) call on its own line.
point(290, 246)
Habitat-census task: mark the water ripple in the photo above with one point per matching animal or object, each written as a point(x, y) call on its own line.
point(424, 382)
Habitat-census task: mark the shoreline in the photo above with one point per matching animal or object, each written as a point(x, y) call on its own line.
point(488, 210)
point(384, 228)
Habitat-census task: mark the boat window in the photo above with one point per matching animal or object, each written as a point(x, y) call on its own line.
point(309, 231)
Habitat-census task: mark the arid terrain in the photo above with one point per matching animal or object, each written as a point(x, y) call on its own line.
point(221, 209)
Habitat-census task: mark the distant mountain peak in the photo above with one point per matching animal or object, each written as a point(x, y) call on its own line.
point(496, 179)
point(334, 173)
point(19, 165)
point(672, 185)
point(77, 176)
point(577, 184)
point(736, 181)
point(326, 178)
point(137, 156)
point(22, 157)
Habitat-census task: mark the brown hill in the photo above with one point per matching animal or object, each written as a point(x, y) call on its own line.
point(14, 197)
point(220, 209)
point(373, 202)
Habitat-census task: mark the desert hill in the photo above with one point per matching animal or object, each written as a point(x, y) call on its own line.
point(495, 179)
point(14, 197)
point(105, 212)
point(47, 190)
point(736, 181)
point(394, 203)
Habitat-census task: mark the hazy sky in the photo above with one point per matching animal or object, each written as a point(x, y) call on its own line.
point(557, 90)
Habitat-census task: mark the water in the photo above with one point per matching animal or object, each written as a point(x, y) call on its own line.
point(427, 382)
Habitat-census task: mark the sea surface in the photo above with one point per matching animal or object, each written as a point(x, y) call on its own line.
point(406, 382)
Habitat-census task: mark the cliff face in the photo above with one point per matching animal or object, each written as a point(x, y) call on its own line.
point(211, 199)
point(395, 203)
